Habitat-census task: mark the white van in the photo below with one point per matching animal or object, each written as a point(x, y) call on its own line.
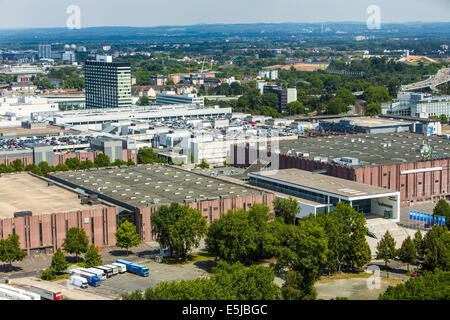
point(78, 281)
point(122, 267)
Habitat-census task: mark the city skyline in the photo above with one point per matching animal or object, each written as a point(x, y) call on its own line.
point(52, 14)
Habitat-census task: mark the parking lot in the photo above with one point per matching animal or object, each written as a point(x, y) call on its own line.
point(128, 282)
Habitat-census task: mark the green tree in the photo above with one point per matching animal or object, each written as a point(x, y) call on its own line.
point(45, 168)
point(376, 94)
point(73, 163)
point(253, 283)
point(430, 286)
point(336, 106)
point(204, 164)
point(373, 109)
point(346, 95)
point(62, 167)
point(118, 162)
point(178, 228)
point(241, 236)
point(302, 248)
point(436, 246)
point(408, 252)
point(130, 162)
point(10, 250)
point(59, 262)
point(17, 165)
point(127, 237)
point(34, 169)
point(143, 101)
point(287, 209)
point(102, 160)
point(345, 230)
point(418, 242)
point(76, 241)
point(444, 119)
point(48, 274)
point(86, 164)
point(227, 282)
point(386, 248)
point(146, 155)
point(360, 253)
point(442, 208)
point(294, 108)
point(92, 258)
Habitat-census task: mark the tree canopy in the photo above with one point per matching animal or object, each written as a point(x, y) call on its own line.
point(178, 228)
point(429, 286)
point(241, 236)
point(287, 209)
point(76, 241)
point(126, 236)
point(10, 250)
point(227, 282)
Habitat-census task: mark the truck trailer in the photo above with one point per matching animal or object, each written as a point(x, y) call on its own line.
point(46, 294)
point(122, 267)
point(108, 271)
point(11, 295)
point(135, 268)
point(32, 295)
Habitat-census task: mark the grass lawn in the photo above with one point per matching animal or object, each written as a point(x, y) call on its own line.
point(193, 257)
point(343, 275)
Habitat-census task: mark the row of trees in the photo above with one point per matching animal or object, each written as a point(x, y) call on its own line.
point(42, 169)
point(304, 249)
point(228, 282)
point(434, 249)
point(77, 243)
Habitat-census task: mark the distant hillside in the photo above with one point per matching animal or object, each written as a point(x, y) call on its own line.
point(259, 30)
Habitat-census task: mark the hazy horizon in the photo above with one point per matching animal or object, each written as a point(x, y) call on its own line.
point(45, 14)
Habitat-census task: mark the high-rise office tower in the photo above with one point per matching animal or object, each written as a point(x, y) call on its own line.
point(108, 84)
point(45, 51)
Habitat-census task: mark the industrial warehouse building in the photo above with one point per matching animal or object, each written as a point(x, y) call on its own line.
point(41, 214)
point(321, 193)
point(415, 165)
point(135, 192)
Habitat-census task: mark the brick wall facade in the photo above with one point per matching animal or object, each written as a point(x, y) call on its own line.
point(413, 187)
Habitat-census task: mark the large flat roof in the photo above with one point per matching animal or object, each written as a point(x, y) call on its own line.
point(152, 185)
point(23, 192)
point(370, 149)
point(320, 182)
point(374, 122)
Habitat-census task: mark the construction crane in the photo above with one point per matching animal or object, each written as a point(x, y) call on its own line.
point(212, 61)
point(203, 66)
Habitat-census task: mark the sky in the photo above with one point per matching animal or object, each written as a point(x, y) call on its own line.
point(148, 13)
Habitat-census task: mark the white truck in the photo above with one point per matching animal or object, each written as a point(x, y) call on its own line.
point(32, 295)
point(122, 267)
point(78, 281)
